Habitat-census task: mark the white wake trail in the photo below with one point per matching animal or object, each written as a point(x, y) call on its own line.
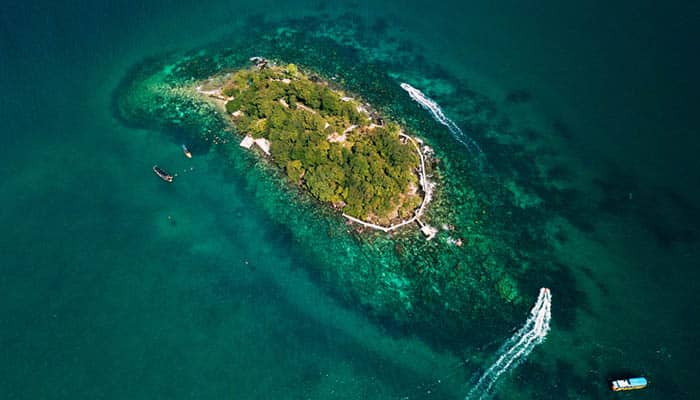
point(518, 346)
point(430, 105)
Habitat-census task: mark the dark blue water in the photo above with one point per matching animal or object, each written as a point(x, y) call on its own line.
point(104, 296)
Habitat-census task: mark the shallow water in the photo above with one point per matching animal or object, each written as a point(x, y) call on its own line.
point(105, 297)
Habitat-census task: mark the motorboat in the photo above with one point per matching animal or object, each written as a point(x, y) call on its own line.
point(187, 152)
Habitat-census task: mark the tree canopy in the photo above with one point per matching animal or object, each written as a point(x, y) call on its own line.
point(326, 143)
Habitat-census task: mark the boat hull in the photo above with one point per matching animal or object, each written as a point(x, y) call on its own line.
point(623, 385)
point(186, 151)
point(162, 174)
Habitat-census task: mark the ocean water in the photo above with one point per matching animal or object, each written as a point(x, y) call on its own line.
point(115, 285)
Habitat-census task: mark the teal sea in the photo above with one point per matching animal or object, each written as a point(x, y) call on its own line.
point(115, 285)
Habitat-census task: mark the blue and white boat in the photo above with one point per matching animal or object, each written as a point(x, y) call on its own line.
point(629, 384)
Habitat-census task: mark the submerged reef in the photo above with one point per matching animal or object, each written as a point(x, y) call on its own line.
point(489, 255)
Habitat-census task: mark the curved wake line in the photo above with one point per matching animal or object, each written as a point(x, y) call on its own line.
point(430, 105)
point(516, 349)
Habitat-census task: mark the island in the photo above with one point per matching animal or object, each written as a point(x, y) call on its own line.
point(327, 142)
point(336, 152)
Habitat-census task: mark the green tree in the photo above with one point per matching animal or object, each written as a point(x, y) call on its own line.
point(330, 103)
point(294, 170)
point(368, 171)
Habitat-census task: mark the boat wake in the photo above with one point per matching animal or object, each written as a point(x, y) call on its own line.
point(516, 349)
point(430, 105)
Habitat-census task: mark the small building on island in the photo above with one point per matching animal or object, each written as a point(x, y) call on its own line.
point(262, 143)
point(247, 142)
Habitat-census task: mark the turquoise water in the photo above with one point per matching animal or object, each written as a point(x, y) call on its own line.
point(105, 297)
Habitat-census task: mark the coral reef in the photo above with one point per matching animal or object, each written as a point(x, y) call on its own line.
point(478, 269)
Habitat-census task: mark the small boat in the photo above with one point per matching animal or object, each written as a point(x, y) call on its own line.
point(162, 174)
point(186, 151)
point(629, 384)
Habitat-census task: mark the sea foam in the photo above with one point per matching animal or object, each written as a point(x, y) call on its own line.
point(430, 105)
point(516, 349)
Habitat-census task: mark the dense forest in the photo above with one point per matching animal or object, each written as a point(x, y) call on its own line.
point(326, 143)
